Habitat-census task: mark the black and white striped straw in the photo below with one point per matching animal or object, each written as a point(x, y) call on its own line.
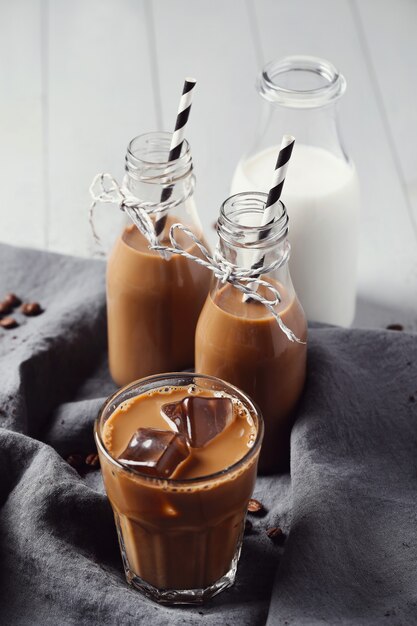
point(278, 178)
point(274, 195)
point(177, 141)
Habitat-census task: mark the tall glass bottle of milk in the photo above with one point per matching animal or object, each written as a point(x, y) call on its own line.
point(321, 191)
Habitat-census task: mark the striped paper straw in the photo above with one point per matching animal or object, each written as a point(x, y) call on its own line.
point(278, 179)
point(177, 141)
point(274, 195)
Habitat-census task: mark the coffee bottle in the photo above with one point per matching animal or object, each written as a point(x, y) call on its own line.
point(247, 341)
point(154, 299)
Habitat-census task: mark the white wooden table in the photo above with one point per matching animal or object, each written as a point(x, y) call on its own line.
point(79, 79)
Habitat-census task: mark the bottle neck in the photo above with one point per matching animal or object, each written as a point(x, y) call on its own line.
point(244, 238)
point(248, 243)
point(164, 188)
point(301, 95)
point(317, 127)
point(151, 177)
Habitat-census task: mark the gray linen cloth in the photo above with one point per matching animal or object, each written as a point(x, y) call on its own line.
point(349, 510)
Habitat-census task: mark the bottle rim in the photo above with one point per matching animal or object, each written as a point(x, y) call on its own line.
point(271, 82)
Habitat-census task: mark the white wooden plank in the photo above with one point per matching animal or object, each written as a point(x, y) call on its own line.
point(21, 164)
point(388, 252)
point(100, 97)
point(390, 29)
point(211, 41)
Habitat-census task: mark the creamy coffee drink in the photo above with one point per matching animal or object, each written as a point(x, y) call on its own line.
point(238, 336)
point(153, 301)
point(179, 466)
point(153, 306)
point(242, 343)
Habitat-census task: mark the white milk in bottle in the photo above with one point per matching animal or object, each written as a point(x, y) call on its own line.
point(321, 190)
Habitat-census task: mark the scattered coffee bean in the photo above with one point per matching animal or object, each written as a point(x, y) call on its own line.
point(31, 308)
point(92, 460)
point(248, 527)
point(412, 399)
point(8, 323)
point(12, 300)
point(395, 327)
point(276, 535)
point(75, 460)
point(255, 507)
point(5, 308)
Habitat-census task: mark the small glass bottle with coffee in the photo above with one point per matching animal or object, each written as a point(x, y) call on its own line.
point(240, 339)
point(153, 299)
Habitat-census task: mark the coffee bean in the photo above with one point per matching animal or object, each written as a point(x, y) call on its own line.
point(92, 460)
point(8, 323)
point(75, 460)
point(395, 327)
point(31, 308)
point(276, 535)
point(5, 308)
point(255, 507)
point(12, 300)
point(412, 399)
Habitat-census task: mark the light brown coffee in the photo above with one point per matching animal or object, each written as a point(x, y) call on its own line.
point(180, 535)
point(152, 308)
point(242, 343)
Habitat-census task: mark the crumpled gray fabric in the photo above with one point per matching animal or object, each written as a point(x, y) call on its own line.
point(349, 510)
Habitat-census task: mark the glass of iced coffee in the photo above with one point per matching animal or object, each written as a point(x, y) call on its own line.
point(179, 456)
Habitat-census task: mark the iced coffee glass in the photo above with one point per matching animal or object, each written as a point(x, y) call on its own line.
point(180, 537)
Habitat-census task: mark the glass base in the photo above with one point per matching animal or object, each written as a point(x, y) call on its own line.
point(182, 596)
point(178, 596)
